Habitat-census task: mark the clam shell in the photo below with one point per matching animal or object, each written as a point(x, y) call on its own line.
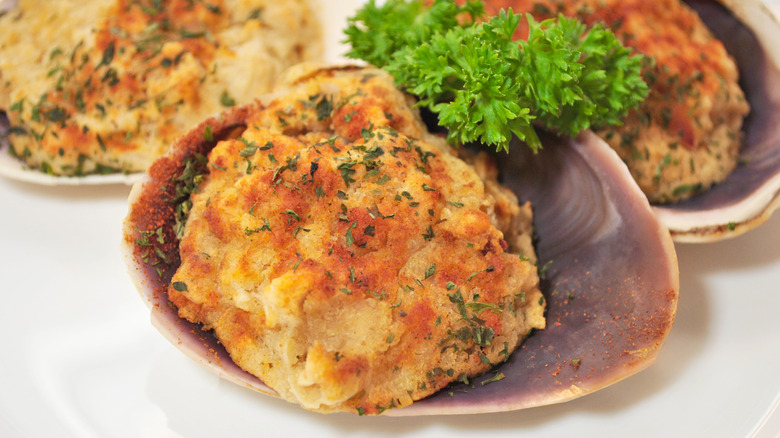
point(747, 198)
point(611, 285)
point(198, 345)
point(14, 169)
point(611, 282)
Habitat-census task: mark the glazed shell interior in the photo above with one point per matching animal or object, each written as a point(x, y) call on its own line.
point(746, 199)
point(611, 278)
point(611, 281)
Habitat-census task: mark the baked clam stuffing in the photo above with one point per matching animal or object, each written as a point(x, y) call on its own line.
point(686, 135)
point(350, 259)
point(94, 87)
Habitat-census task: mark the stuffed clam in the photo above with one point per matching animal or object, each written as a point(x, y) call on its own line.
point(751, 192)
point(469, 320)
point(100, 89)
point(703, 145)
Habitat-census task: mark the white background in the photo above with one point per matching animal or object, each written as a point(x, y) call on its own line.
point(80, 358)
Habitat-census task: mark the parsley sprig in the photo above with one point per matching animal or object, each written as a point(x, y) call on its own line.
point(483, 85)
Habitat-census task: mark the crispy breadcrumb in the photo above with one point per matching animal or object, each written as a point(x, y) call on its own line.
point(105, 86)
point(349, 258)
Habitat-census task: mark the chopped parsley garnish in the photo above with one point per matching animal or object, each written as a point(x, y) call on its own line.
point(226, 100)
point(250, 148)
point(430, 271)
point(186, 184)
point(208, 134)
point(322, 105)
point(108, 54)
point(350, 240)
point(475, 329)
point(292, 214)
point(496, 378)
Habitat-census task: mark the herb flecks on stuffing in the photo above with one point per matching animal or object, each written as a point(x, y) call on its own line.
point(95, 87)
point(349, 258)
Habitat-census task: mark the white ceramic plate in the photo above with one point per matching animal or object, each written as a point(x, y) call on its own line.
point(82, 360)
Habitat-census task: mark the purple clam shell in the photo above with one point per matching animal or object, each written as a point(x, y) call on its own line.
point(747, 198)
point(199, 345)
point(611, 285)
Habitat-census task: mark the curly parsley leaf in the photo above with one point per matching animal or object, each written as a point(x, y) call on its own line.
point(487, 87)
point(376, 33)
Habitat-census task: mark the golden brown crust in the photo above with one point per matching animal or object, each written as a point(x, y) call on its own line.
point(350, 259)
point(686, 135)
point(95, 87)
